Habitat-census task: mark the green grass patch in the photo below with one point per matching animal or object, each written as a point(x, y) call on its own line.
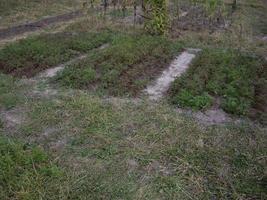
point(124, 68)
point(9, 92)
point(29, 56)
point(229, 75)
point(187, 99)
point(27, 173)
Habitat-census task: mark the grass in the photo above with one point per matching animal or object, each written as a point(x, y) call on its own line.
point(238, 79)
point(27, 173)
point(254, 13)
point(86, 147)
point(118, 149)
point(120, 13)
point(124, 68)
point(9, 90)
point(34, 54)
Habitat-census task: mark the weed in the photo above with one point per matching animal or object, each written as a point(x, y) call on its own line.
point(187, 99)
point(236, 105)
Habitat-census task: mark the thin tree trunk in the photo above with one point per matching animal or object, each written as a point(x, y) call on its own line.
point(105, 7)
point(134, 13)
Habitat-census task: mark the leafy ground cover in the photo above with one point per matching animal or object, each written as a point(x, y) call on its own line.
point(34, 54)
point(239, 80)
point(124, 68)
point(27, 173)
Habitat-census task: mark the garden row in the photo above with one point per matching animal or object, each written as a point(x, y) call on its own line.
point(132, 61)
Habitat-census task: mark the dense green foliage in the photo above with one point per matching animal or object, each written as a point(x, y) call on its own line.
point(226, 74)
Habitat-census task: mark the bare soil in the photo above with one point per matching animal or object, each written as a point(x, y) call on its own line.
point(176, 69)
point(34, 26)
point(195, 19)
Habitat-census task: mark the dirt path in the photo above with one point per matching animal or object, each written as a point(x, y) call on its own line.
point(34, 26)
point(176, 69)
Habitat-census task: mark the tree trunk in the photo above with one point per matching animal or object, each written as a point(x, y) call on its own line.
point(135, 12)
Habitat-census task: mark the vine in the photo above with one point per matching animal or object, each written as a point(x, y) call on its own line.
point(156, 17)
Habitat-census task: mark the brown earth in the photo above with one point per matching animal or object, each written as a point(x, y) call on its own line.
point(34, 26)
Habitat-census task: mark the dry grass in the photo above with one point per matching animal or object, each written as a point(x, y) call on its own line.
point(122, 148)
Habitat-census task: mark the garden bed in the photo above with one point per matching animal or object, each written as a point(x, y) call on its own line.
point(236, 79)
point(125, 68)
point(34, 54)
